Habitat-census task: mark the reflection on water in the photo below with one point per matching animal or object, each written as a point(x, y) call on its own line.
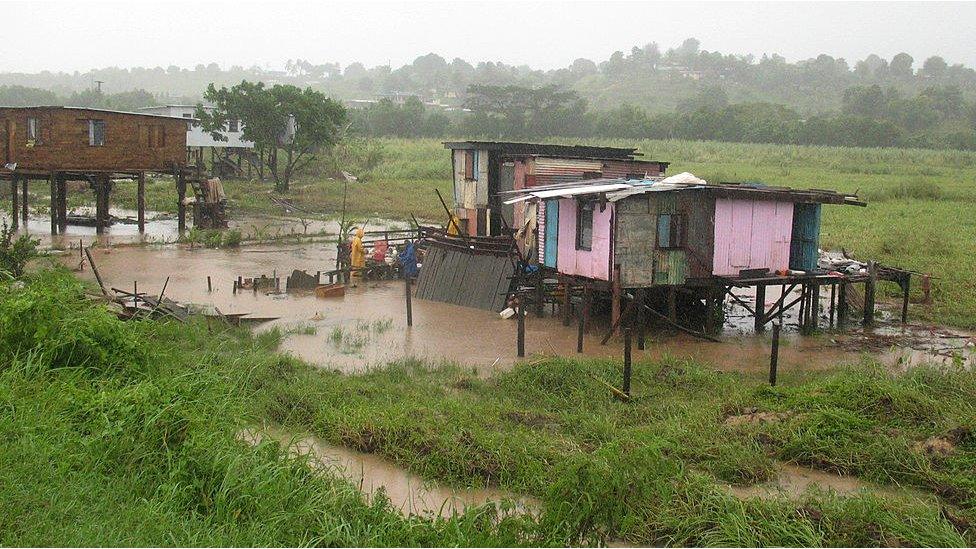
point(367, 326)
point(406, 491)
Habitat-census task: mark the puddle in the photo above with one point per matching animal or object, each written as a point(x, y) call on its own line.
point(407, 492)
point(367, 326)
point(792, 481)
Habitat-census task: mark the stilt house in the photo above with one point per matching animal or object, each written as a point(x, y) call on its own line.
point(646, 233)
point(485, 170)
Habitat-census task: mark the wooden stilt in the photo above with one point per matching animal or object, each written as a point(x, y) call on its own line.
point(615, 297)
point(905, 287)
point(53, 180)
point(842, 306)
point(62, 203)
point(760, 310)
point(803, 307)
point(869, 289)
point(833, 303)
point(567, 303)
point(180, 205)
point(641, 319)
point(15, 204)
point(409, 294)
point(814, 306)
point(520, 338)
point(23, 202)
point(627, 360)
point(141, 201)
point(673, 304)
point(774, 354)
point(582, 320)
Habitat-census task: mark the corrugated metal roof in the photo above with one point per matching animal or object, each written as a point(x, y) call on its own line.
point(96, 110)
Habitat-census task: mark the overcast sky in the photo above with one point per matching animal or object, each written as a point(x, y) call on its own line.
point(80, 35)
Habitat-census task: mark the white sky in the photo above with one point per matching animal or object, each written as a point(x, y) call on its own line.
point(80, 35)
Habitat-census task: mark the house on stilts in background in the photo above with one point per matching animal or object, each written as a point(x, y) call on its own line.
point(57, 144)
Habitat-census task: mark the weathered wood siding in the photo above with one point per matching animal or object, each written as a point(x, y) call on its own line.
point(132, 141)
point(595, 262)
point(642, 263)
point(751, 234)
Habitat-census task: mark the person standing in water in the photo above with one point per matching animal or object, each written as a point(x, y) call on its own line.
point(357, 254)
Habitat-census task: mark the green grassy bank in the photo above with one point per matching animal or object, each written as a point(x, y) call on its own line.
point(118, 433)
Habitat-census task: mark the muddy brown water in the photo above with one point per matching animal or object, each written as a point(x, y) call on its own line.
point(792, 481)
point(367, 327)
point(408, 493)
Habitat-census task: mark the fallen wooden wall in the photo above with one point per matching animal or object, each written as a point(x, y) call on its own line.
point(463, 278)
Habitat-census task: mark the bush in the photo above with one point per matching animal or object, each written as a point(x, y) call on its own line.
point(14, 254)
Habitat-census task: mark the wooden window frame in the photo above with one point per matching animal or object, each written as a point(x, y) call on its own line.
point(33, 132)
point(92, 123)
point(584, 210)
point(677, 223)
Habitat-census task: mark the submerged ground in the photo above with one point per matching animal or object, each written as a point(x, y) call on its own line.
point(128, 433)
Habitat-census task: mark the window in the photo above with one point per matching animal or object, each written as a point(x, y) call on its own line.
point(670, 231)
point(33, 135)
point(233, 126)
point(474, 165)
point(96, 133)
point(584, 225)
point(469, 165)
point(187, 115)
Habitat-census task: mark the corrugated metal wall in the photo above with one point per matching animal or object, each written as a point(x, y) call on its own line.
point(466, 279)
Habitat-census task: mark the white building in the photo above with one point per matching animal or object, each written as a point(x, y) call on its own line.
point(195, 135)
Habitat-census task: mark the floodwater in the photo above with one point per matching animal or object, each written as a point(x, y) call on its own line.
point(792, 481)
point(367, 327)
point(163, 228)
point(407, 492)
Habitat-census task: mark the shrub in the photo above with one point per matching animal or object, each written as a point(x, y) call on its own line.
point(14, 254)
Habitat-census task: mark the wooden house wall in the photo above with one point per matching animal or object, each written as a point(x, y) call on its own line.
point(642, 263)
point(63, 141)
point(805, 237)
point(595, 262)
point(751, 234)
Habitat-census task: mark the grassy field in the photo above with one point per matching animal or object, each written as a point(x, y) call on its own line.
point(124, 434)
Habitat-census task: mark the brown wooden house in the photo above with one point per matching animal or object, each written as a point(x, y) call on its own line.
point(57, 144)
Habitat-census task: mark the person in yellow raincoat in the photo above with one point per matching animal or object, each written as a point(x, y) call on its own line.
point(357, 253)
point(453, 225)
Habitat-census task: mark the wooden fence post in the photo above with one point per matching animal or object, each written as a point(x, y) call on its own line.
point(774, 354)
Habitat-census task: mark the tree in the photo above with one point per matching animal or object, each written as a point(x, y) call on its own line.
point(282, 118)
point(934, 67)
point(901, 66)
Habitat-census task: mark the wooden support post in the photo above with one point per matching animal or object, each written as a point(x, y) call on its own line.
point(641, 319)
point(814, 306)
point(905, 287)
point(843, 308)
point(53, 180)
point(62, 203)
point(774, 354)
point(803, 308)
point(520, 336)
point(135, 294)
point(615, 297)
point(23, 203)
point(760, 323)
point(581, 321)
point(833, 303)
point(540, 294)
point(406, 286)
point(180, 205)
point(15, 206)
point(711, 305)
point(869, 289)
point(926, 290)
point(235, 286)
point(627, 360)
point(567, 303)
point(141, 201)
point(210, 285)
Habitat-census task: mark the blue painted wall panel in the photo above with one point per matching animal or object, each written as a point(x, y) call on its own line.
point(552, 233)
point(805, 240)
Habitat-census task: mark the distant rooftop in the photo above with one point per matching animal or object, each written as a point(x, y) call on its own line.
point(88, 109)
point(545, 149)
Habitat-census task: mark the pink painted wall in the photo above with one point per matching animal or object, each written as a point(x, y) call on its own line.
point(594, 263)
point(751, 234)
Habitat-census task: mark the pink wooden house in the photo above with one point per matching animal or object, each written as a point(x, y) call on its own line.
point(647, 233)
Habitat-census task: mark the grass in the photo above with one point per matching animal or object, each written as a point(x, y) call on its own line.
point(125, 434)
